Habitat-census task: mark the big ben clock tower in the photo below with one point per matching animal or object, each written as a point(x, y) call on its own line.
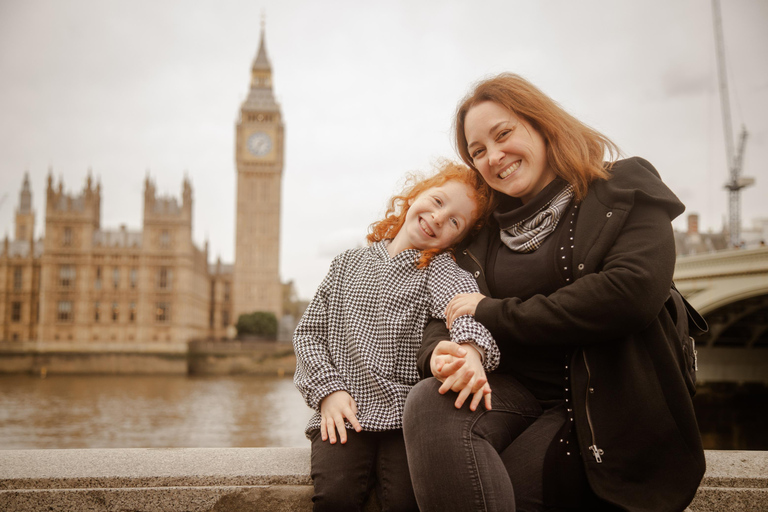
point(259, 159)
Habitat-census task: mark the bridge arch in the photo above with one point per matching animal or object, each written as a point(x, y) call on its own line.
point(730, 289)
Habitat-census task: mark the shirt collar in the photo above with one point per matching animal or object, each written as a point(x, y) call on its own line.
point(408, 256)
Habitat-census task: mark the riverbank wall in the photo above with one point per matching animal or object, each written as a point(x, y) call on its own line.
point(257, 479)
point(255, 357)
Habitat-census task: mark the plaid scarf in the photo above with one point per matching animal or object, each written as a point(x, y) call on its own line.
point(528, 235)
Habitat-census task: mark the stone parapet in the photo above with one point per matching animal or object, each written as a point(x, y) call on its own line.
point(250, 479)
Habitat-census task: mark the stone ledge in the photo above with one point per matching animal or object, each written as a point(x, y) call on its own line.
point(153, 467)
point(249, 479)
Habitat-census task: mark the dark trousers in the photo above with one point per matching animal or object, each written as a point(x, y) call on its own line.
point(345, 474)
point(483, 460)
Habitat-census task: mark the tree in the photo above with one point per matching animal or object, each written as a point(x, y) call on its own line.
point(258, 323)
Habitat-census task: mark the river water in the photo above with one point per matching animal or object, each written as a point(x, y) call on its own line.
point(111, 411)
point(64, 411)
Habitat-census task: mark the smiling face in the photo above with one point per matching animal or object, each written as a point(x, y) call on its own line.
point(438, 218)
point(506, 150)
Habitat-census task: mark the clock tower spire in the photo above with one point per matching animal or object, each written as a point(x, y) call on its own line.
point(259, 142)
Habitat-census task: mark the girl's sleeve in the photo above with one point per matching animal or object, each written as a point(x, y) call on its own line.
point(445, 281)
point(316, 376)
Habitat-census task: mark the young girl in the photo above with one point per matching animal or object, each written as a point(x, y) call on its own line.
point(356, 343)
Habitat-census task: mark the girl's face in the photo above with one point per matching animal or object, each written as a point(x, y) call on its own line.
point(506, 150)
point(437, 218)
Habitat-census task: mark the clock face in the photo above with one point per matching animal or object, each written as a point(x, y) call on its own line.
point(259, 144)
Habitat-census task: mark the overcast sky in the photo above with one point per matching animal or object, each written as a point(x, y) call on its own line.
point(367, 92)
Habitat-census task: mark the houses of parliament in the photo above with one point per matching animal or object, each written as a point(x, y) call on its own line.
point(84, 283)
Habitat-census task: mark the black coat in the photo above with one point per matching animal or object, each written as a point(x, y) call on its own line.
point(635, 422)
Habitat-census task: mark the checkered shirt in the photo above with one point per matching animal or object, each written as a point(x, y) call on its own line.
point(362, 329)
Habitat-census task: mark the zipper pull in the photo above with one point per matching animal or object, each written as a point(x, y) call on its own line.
point(597, 452)
point(695, 354)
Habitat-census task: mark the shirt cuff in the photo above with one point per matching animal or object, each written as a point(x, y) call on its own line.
point(479, 349)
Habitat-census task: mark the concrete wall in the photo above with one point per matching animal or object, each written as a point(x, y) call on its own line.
point(196, 357)
point(256, 479)
point(93, 358)
point(241, 357)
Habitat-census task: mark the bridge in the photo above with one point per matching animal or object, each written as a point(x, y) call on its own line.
point(730, 289)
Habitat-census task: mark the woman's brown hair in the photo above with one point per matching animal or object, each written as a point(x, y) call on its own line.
point(575, 152)
point(398, 206)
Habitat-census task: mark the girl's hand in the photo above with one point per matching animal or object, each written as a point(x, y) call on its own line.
point(462, 304)
point(333, 409)
point(447, 358)
point(460, 369)
point(469, 379)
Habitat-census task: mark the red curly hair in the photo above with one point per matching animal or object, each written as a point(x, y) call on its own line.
point(398, 206)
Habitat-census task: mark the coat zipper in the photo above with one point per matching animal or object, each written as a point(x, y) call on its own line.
point(596, 452)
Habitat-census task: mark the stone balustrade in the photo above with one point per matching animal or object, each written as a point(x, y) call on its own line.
point(256, 479)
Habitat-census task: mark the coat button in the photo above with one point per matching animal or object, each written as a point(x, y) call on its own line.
point(581, 266)
point(464, 252)
point(477, 273)
point(609, 214)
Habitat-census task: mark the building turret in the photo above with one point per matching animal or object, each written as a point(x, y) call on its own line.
point(167, 224)
point(25, 216)
point(70, 220)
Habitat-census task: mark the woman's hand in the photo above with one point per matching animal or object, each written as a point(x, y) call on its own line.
point(460, 369)
point(462, 304)
point(333, 409)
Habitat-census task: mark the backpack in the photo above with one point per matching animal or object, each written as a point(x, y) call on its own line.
point(689, 323)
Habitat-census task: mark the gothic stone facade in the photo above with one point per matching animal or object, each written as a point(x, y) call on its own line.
point(87, 284)
point(82, 283)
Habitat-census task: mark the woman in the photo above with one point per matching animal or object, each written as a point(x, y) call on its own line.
point(589, 408)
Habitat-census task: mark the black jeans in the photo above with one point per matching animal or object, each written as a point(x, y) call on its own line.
point(344, 474)
point(456, 455)
point(489, 460)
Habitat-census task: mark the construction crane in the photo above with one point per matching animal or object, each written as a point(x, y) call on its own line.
point(736, 182)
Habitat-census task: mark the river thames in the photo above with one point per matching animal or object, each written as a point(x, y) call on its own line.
point(139, 411)
point(89, 411)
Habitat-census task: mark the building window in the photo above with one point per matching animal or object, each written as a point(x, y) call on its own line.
point(96, 311)
point(67, 238)
point(163, 312)
point(115, 311)
point(164, 278)
point(17, 278)
point(97, 281)
point(66, 276)
point(64, 311)
point(133, 276)
point(224, 318)
point(211, 318)
point(132, 312)
point(226, 291)
point(165, 239)
point(116, 278)
point(16, 312)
